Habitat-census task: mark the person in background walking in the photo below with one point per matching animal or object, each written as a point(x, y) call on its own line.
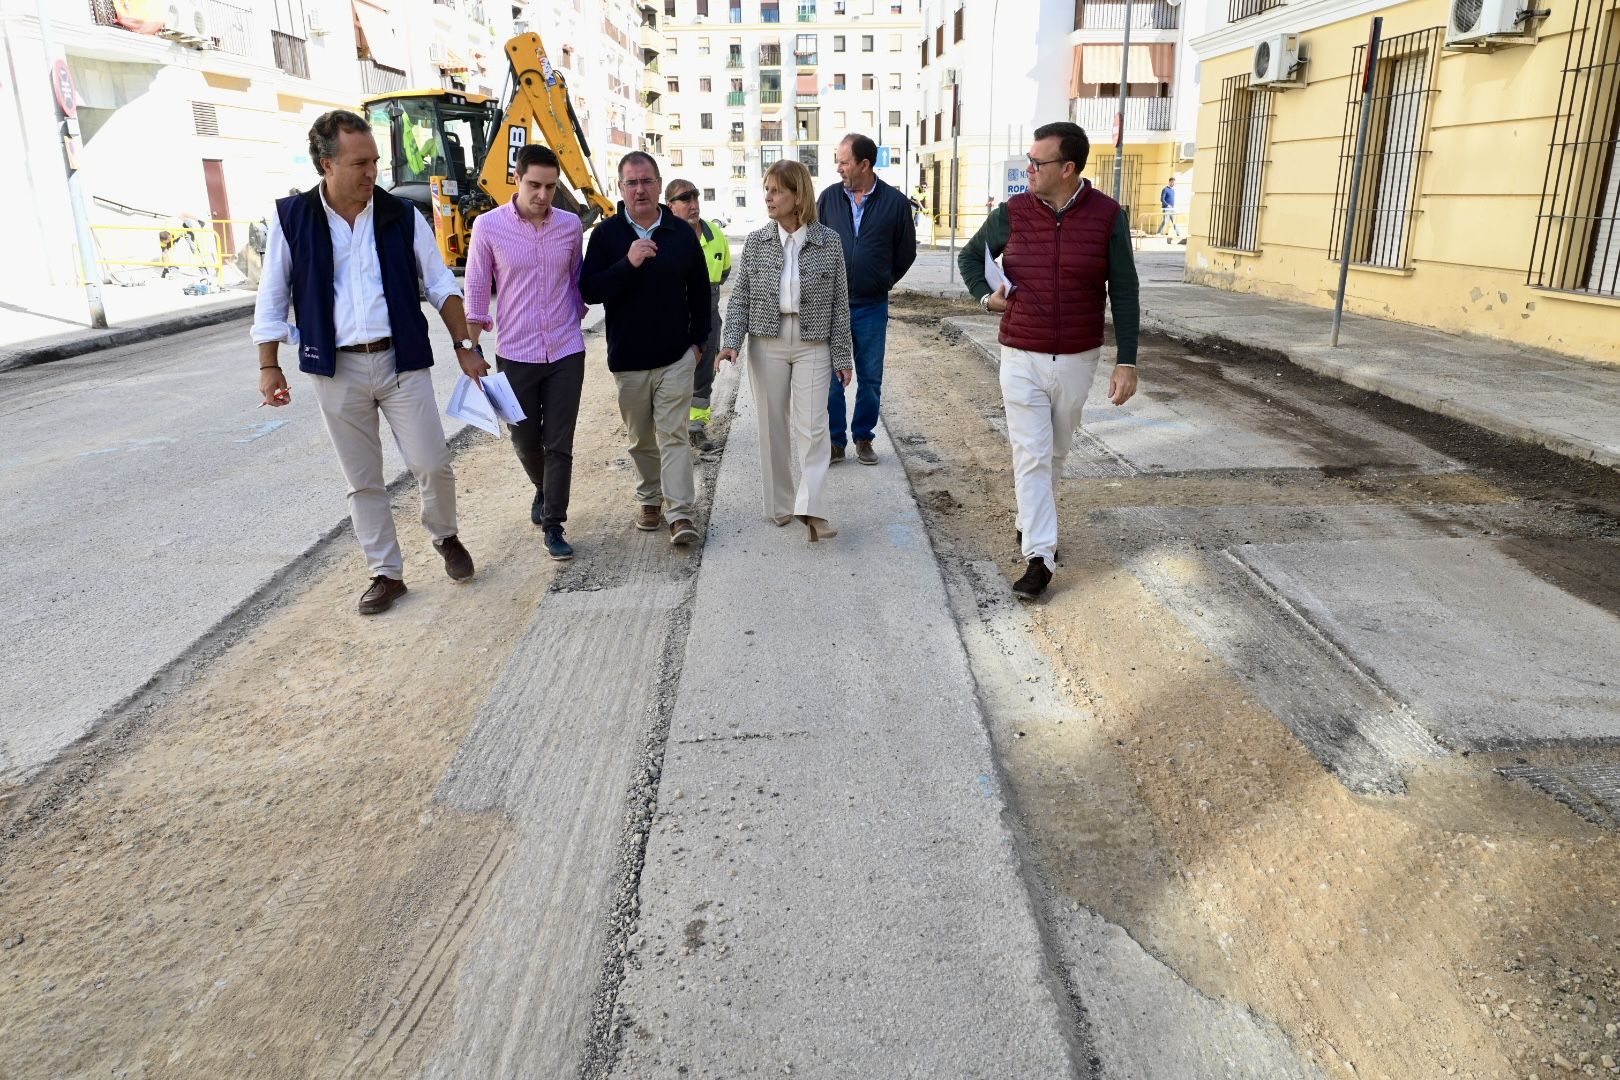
point(791, 301)
point(684, 200)
point(880, 244)
point(348, 259)
point(1167, 205)
point(1052, 323)
point(645, 266)
point(532, 251)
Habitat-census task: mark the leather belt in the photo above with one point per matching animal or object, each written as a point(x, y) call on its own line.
point(380, 345)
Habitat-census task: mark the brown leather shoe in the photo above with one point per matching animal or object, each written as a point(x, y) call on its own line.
point(864, 452)
point(837, 454)
point(457, 563)
point(380, 595)
point(647, 518)
point(682, 531)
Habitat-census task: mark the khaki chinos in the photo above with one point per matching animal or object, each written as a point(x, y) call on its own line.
point(363, 385)
point(654, 406)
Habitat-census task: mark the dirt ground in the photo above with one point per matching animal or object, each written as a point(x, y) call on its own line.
point(253, 879)
point(1467, 927)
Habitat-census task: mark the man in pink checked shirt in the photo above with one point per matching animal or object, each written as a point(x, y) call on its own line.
point(532, 251)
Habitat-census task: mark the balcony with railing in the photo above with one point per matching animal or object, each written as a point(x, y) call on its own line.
point(231, 27)
point(737, 97)
point(805, 59)
point(734, 60)
point(770, 56)
point(770, 97)
point(619, 137)
point(807, 11)
point(1110, 15)
point(376, 79)
point(290, 54)
point(770, 131)
point(1096, 114)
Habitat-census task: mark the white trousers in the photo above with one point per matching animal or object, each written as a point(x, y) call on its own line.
point(1043, 395)
point(365, 385)
point(790, 378)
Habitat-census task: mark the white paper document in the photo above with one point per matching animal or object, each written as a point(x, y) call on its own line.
point(471, 405)
point(498, 388)
point(993, 275)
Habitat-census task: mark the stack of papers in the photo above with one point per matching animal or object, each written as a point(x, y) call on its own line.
point(485, 402)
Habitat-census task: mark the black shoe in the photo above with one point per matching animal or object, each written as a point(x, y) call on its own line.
point(556, 546)
point(537, 507)
point(457, 562)
point(380, 595)
point(1035, 580)
point(700, 441)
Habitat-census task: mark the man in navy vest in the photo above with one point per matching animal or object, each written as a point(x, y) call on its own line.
point(880, 244)
point(348, 258)
point(1066, 251)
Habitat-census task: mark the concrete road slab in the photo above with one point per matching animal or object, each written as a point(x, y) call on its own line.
point(1484, 642)
point(830, 887)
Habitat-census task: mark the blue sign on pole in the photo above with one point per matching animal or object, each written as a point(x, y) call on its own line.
point(883, 157)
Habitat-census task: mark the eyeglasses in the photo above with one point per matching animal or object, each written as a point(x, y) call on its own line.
point(1035, 163)
point(651, 181)
point(685, 196)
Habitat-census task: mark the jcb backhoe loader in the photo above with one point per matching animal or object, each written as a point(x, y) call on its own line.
point(452, 153)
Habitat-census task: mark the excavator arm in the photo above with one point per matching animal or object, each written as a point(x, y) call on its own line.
point(540, 100)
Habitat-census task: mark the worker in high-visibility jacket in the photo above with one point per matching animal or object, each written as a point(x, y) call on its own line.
point(683, 198)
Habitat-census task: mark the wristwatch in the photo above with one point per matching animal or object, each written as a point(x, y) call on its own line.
point(465, 345)
point(984, 301)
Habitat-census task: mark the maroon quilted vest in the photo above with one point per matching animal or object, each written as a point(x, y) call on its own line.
point(1060, 268)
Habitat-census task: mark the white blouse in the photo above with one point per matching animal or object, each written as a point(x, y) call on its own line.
point(792, 242)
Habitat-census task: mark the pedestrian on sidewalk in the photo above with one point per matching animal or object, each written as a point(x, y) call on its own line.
point(683, 198)
point(644, 265)
point(1167, 206)
point(791, 301)
point(1052, 323)
point(532, 251)
point(349, 259)
point(880, 244)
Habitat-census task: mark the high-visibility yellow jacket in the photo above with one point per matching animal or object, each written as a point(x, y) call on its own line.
point(716, 252)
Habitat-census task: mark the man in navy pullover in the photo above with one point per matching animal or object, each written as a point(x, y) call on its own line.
point(880, 244)
point(645, 266)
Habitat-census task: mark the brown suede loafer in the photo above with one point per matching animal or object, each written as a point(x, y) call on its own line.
point(380, 595)
point(864, 452)
point(647, 518)
point(457, 563)
point(682, 531)
point(837, 454)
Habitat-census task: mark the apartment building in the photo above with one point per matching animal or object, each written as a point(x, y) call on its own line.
point(994, 70)
point(608, 51)
point(1491, 193)
point(748, 82)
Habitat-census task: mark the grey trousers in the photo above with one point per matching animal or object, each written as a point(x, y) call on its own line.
point(654, 405)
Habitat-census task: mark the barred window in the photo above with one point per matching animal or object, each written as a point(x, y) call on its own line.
point(1577, 241)
point(1398, 121)
point(1101, 171)
point(1240, 163)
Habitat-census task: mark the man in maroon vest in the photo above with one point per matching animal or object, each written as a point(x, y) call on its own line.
point(1065, 248)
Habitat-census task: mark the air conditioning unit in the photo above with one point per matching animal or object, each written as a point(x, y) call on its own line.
point(1278, 63)
point(186, 24)
point(1187, 151)
point(1485, 23)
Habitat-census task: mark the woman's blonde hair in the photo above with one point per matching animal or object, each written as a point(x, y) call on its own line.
point(793, 178)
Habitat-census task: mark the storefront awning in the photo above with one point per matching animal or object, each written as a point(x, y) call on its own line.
point(453, 63)
point(1095, 64)
point(377, 33)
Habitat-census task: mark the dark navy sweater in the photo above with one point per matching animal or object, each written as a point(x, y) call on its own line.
point(656, 311)
point(887, 246)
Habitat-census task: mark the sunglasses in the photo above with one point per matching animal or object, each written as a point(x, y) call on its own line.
point(685, 196)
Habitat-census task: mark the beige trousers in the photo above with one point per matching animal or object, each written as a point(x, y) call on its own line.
point(654, 406)
point(364, 385)
point(790, 378)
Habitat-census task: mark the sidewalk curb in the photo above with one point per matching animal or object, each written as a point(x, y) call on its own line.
point(1322, 360)
point(78, 343)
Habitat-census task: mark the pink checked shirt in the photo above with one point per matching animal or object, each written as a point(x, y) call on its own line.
point(537, 272)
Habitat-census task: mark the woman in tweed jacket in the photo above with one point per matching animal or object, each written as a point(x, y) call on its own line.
point(795, 314)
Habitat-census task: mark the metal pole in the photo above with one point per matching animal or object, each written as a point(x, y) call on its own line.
point(990, 108)
point(1119, 117)
point(85, 240)
point(956, 167)
point(1356, 168)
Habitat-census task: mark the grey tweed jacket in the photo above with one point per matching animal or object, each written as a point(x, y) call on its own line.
point(756, 286)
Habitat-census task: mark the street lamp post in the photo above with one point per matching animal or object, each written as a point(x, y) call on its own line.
point(1119, 117)
point(90, 270)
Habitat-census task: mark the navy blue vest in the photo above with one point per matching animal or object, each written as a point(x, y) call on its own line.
point(309, 238)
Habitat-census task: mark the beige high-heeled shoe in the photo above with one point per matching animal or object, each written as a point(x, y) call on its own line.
point(819, 528)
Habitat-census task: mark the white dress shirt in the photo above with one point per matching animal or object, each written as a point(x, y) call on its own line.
point(791, 243)
point(359, 309)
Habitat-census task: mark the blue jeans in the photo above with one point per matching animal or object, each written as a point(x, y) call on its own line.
point(869, 327)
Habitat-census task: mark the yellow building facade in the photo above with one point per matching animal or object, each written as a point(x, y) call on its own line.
point(1491, 192)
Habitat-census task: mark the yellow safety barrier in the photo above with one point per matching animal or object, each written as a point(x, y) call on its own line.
point(206, 244)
